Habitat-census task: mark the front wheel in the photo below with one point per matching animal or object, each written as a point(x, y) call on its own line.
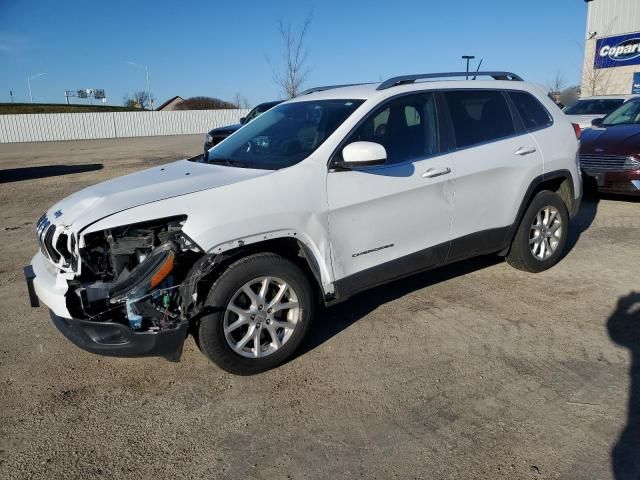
point(262, 306)
point(542, 234)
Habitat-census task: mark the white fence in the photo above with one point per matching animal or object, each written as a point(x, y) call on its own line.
point(83, 126)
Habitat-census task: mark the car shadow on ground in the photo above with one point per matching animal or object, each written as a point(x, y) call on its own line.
point(583, 220)
point(624, 329)
point(333, 320)
point(620, 198)
point(31, 173)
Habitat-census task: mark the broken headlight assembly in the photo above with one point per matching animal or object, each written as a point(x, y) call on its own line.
point(131, 274)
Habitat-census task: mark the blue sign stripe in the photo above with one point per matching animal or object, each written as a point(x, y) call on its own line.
point(618, 51)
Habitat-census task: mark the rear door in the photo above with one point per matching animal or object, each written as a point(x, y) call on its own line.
point(495, 160)
point(558, 145)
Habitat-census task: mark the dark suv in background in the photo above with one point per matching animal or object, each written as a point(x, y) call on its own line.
point(216, 135)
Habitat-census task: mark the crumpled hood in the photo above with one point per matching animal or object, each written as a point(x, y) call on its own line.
point(615, 140)
point(158, 183)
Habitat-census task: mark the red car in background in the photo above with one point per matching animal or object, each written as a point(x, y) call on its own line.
point(610, 151)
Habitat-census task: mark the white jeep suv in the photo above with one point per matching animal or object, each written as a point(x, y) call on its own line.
point(331, 193)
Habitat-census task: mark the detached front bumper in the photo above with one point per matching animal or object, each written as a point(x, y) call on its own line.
point(47, 285)
point(104, 337)
point(118, 340)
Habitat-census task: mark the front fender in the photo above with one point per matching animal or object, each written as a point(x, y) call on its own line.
point(313, 254)
point(288, 203)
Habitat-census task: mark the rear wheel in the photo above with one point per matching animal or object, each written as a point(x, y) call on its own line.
point(542, 234)
point(262, 307)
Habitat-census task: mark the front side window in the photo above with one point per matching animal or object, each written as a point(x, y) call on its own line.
point(533, 114)
point(479, 116)
point(627, 114)
point(284, 135)
point(601, 106)
point(406, 127)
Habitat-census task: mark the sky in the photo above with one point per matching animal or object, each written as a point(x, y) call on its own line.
point(220, 49)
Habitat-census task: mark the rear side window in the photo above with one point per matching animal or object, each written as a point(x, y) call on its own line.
point(533, 114)
point(479, 116)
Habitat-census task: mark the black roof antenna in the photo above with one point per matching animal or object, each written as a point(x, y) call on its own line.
point(478, 69)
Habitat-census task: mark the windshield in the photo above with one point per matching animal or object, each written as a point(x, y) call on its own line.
point(283, 136)
point(601, 106)
point(628, 114)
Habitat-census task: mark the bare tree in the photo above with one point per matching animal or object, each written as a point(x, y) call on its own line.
point(140, 99)
point(595, 80)
point(241, 101)
point(293, 72)
point(555, 86)
point(205, 103)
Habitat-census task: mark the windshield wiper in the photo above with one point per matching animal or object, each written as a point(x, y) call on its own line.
point(226, 161)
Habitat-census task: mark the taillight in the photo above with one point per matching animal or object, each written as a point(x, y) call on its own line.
point(577, 130)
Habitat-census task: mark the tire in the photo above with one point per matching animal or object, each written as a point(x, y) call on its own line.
point(529, 236)
point(227, 295)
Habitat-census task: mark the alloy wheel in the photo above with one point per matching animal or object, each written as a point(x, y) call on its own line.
point(545, 233)
point(261, 317)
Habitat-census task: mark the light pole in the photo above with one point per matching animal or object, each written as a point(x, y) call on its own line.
point(146, 69)
point(29, 83)
point(467, 58)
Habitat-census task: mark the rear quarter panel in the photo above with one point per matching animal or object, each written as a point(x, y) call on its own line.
point(558, 143)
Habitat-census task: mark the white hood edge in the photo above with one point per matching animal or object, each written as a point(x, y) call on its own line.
point(182, 177)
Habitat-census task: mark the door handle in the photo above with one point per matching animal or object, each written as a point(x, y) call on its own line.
point(436, 172)
point(525, 151)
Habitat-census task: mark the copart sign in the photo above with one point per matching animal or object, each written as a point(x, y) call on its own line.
point(618, 51)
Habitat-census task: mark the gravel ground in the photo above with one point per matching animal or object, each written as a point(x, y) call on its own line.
point(471, 371)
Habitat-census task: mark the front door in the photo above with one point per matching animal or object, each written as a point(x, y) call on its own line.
point(391, 220)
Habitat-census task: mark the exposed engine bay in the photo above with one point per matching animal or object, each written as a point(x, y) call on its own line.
point(135, 275)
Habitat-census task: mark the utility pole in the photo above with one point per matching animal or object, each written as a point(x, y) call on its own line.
point(467, 58)
point(146, 69)
point(29, 83)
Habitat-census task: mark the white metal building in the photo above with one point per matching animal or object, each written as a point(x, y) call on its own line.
point(612, 48)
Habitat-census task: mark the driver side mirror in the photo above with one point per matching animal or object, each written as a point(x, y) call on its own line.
point(362, 154)
point(597, 122)
point(243, 120)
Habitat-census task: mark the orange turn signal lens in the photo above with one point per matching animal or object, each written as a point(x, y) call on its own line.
point(163, 271)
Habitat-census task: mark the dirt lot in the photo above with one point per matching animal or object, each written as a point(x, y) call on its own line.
point(473, 371)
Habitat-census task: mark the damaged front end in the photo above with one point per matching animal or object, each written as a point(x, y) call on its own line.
point(128, 297)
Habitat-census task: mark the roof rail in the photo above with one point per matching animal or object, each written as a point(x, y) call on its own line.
point(404, 79)
point(329, 87)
